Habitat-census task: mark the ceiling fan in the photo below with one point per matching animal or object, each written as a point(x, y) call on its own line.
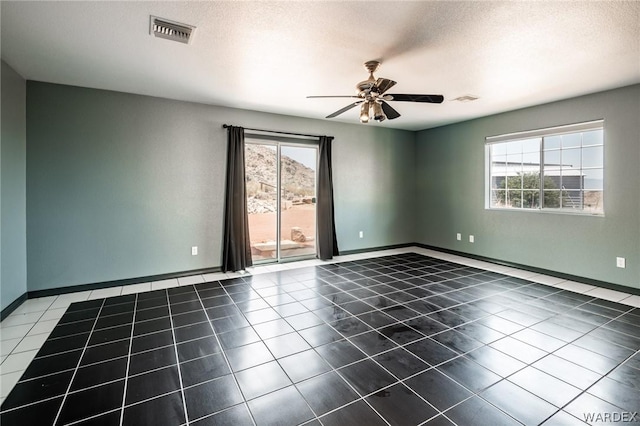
point(373, 100)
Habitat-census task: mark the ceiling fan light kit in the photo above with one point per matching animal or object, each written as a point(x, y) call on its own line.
point(373, 100)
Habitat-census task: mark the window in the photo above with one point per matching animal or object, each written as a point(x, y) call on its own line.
point(559, 169)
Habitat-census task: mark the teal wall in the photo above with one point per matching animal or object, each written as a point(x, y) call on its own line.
point(450, 171)
point(13, 199)
point(121, 186)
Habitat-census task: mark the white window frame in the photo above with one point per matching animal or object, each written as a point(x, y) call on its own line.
point(541, 134)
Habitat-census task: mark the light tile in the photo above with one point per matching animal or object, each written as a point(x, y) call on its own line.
point(105, 292)
point(193, 279)
point(42, 327)
point(520, 273)
point(20, 319)
point(15, 332)
point(607, 294)
point(30, 343)
point(17, 362)
point(215, 276)
point(7, 346)
point(64, 300)
point(545, 279)
point(632, 301)
point(52, 314)
point(158, 285)
point(8, 381)
point(40, 304)
point(575, 286)
point(136, 288)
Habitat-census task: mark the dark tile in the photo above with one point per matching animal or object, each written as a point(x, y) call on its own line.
point(274, 328)
point(399, 406)
point(229, 323)
point(585, 358)
point(457, 341)
point(292, 408)
point(320, 335)
point(431, 352)
point(500, 324)
point(340, 353)
point(81, 315)
point(400, 313)
point(203, 369)
point(181, 308)
point(372, 343)
point(567, 371)
point(219, 300)
point(236, 415)
point(401, 333)
point(539, 340)
point(260, 380)
point(496, 361)
point(167, 409)
point(110, 334)
point(518, 350)
point(518, 403)
point(326, 392)
point(618, 394)
point(304, 365)
point(150, 360)
point(469, 374)
point(52, 364)
point(248, 356)
point(40, 414)
point(562, 418)
point(54, 346)
point(357, 413)
point(603, 347)
point(287, 344)
point(189, 318)
point(117, 308)
point(366, 376)
point(152, 384)
point(151, 341)
point(96, 374)
point(212, 396)
point(350, 326)
point(151, 326)
point(626, 375)
point(547, 387)
point(30, 391)
point(475, 411)
point(291, 309)
point(401, 363)
point(557, 331)
point(376, 319)
point(111, 418)
point(592, 410)
point(438, 389)
point(239, 337)
point(198, 348)
point(63, 330)
point(195, 331)
point(480, 332)
point(90, 402)
point(426, 325)
point(114, 320)
point(304, 320)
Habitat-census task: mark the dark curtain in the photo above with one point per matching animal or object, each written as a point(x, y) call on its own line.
point(327, 242)
point(236, 250)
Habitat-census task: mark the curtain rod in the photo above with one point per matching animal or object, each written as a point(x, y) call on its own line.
point(224, 126)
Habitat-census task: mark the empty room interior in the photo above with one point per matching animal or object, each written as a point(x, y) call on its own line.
point(322, 213)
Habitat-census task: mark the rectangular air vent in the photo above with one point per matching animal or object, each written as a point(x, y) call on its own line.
point(171, 30)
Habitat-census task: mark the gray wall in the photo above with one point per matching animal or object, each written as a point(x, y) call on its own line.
point(121, 186)
point(450, 167)
point(13, 237)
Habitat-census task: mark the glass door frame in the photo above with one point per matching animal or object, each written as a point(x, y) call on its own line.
point(278, 143)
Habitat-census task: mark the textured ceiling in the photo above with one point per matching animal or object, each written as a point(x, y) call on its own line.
point(268, 56)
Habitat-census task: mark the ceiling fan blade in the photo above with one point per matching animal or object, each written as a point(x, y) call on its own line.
point(384, 84)
point(389, 111)
point(331, 96)
point(347, 108)
point(433, 99)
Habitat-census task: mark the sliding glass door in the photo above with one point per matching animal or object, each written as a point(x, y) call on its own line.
point(281, 200)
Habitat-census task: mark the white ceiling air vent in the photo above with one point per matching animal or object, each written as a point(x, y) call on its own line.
point(171, 30)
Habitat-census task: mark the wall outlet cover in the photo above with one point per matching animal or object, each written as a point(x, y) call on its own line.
point(459, 236)
point(472, 239)
point(621, 262)
point(194, 251)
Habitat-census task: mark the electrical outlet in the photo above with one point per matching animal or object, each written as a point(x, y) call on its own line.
point(459, 236)
point(621, 262)
point(194, 251)
point(361, 234)
point(472, 239)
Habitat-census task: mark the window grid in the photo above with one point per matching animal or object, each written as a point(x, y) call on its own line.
point(560, 172)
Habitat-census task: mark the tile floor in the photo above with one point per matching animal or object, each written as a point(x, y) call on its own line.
point(406, 336)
